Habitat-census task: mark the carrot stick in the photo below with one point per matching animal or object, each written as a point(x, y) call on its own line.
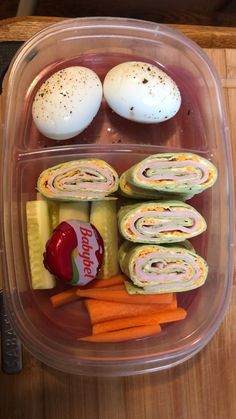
point(114, 280)
point(125, 334)
point(165, 316)
point(69, 295)
point(64, 297)
point(119, 294)
point(101, 311)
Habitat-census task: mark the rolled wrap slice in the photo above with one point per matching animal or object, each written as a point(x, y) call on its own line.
point(130, 191)
point(78, 180)
point(160, 222)
point(174, 172)
point(127, 189)
point(158, 269)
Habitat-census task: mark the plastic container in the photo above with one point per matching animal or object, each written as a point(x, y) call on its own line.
point(200, 126)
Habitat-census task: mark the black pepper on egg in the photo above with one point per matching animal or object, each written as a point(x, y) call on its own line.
point(72, 85)
point(151, 96)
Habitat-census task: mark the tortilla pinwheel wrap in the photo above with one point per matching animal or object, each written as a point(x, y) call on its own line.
point(160, 222)
point(180, 173)
point(78, 180)
point(128, 190)
point(155, 269)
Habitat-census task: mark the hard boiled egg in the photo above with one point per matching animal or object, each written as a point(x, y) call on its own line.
point(141, 92)
point(67, 102)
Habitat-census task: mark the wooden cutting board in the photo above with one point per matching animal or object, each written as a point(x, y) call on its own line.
point(201, 388)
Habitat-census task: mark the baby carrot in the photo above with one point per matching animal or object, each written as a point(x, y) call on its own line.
point(64, 297)
point(100, 311)
point(124, 334)
point(70, 295)
point(165, 316)
point(114, 280)
point(121, 295)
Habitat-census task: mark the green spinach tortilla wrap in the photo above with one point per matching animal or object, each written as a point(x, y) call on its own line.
point(180, 173)
point(158, 269)
point(78, 180)
point(160, 222)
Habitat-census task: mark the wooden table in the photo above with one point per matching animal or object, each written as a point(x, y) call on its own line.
point(204, 387)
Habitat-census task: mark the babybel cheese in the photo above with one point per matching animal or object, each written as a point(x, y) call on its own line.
point(74, 252)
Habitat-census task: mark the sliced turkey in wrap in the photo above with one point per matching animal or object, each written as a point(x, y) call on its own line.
point(78, 180)
point(179, 173)
point(160, 222)
point(129, 190)
point(158, 269)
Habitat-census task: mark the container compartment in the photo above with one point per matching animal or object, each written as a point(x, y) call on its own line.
point(101, 44)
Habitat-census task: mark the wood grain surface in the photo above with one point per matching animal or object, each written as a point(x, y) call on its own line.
point(206, 36)
point(201, 388)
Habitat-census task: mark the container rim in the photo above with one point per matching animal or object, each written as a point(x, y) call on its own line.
point(143, 26)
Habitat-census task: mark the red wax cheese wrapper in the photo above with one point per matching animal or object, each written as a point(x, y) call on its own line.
point(74, 252)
